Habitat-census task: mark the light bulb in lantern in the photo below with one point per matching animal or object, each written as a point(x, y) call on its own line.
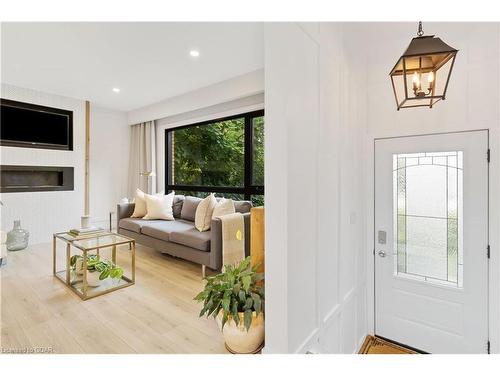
point(415, 79)
point(430, 78)
point(416, 83)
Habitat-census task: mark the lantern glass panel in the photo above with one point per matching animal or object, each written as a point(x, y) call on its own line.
point(442, 76)
point(399, 88)
point(426, 76)
point(426, 79)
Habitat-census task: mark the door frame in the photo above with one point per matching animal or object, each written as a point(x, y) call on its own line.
point(493, 262)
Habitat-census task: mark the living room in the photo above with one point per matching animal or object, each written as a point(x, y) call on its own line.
point(114, 147)
point(243, 186)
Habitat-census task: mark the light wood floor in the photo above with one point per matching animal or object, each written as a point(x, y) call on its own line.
point(156, 315)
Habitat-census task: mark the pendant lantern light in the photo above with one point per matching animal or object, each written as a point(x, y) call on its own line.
point(421, 75)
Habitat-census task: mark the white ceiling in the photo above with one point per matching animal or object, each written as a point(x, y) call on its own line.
point(149, 62)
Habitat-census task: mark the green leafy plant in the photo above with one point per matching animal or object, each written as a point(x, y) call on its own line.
point(106, 268)
point(235, 290)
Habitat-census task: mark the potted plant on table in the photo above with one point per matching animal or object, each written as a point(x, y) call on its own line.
point(235, 298)
point(98, 270)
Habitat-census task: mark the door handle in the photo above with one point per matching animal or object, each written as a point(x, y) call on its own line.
point(381, 253)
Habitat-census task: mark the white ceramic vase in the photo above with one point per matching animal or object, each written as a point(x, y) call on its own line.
point(85, 221)
point(92, 277)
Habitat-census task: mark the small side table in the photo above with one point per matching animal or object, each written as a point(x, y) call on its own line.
point(87, 246)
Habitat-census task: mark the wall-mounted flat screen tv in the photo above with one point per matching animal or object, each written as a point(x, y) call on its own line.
point(30, 125)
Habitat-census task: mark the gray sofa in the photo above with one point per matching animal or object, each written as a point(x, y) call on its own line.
point(180, 238)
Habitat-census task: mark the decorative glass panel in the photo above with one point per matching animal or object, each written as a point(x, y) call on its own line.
point(427, 190)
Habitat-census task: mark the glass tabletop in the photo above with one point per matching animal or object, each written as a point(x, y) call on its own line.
point(104, 239)
point(101, 241)
point(67, 236)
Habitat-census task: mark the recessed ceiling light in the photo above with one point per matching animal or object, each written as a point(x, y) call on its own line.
point(194, 53)
point(116, 89)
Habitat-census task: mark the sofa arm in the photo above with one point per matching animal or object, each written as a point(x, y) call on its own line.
point(216, 241)
point(123, 210)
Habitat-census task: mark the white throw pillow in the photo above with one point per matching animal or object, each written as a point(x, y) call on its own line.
point(159, 207)
point(140, 204)
point(224, 207)
point(203, 216)
point(140, 208)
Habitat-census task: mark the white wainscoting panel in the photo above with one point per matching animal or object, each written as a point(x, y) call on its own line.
point(315, 281)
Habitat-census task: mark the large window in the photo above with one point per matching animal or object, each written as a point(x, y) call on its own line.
point(225, 156)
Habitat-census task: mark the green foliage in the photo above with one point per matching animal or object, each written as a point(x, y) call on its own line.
point(210, 155)
point(258, 151)
point(106, 268)
point(214, 155)
point(200, 194)
point(257, 200)
point(235, 290)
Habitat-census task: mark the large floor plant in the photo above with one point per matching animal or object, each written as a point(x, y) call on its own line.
point(235, 295)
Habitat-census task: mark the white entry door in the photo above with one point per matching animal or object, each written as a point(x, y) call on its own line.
point(431, 241)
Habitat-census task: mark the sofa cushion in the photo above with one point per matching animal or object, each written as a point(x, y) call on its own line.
point(189, 207)
point(224, 207)
point(177, 206)
point(140, 208)
point(203, 216)
point(162, 229)
point(159, 207)
point(134, 224)
point(192, 238)
point(242, 207)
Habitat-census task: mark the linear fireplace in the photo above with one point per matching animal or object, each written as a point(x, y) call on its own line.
point(24, 178)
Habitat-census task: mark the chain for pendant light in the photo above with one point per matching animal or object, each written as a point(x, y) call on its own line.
point(420, 32)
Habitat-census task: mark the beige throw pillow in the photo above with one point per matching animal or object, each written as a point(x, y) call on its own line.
point(224, 207)
point(140, 204)
point(159, 207)
point(203, 216)
point(140, 208)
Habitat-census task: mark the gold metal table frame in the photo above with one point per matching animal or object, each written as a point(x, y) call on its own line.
point(65, 275)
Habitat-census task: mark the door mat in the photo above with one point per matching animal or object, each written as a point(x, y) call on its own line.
point(376, 345)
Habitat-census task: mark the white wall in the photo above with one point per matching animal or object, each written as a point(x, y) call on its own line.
point(235, 88)
point(44, 213)
point(315, 279)
point(109, 162)
point(472, 102)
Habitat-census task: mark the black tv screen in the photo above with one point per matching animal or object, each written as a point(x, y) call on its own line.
point(29, 125)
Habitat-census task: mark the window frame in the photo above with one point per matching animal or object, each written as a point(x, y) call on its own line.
point(249, 188)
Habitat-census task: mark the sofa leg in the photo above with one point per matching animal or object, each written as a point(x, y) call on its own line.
point(203, 270)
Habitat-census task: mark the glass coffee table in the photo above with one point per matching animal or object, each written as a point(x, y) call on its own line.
point(114, 253)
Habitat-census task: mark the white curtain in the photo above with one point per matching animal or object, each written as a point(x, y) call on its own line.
point(142, 166)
